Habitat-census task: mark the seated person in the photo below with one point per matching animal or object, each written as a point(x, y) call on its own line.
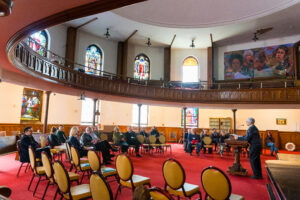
point(155, 132)
point(26, 141)
point(53, 139)
point(215, 138)
point(143, 132)
point(269, 141)
point(119, 140)
point(222, 143)
point(74, 141)
point(96, 132)
point(202, 135)
point(131, 139)
point(61, 134)
point(89, 139)
point(194, 139)
point(185, 140)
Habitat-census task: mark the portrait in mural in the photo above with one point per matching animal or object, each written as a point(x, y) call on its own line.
point(191, 117)
point(271, 61)
point(141, 67)
point(31, 105)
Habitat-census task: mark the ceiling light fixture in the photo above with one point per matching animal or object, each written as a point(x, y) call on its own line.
point(193, 44)
point(255, 38)
point(107, 35)
point(148, 43)
point(5, 7)
point(82, 97)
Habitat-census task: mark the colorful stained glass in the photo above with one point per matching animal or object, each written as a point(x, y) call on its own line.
point(38, 42)
point(190, 61)
point(141, 67)
point(191, 117)
point(31, 105)
point(93, 60)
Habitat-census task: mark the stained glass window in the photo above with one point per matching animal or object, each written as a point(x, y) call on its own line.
point(93, 60)
point(38, 42)
point(141, 67)
point(191, 117)
point(190, 70)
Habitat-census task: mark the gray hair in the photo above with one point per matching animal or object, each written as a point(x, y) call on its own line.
point(251, 120)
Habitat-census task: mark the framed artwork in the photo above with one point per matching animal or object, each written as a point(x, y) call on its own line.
point(31, 105)
point(281, 121)
point(191, 117)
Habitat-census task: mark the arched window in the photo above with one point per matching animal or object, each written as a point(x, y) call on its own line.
point(93, 59)
point(141, 67)
point(190, 70)
point(39, 42)
point(191, 117)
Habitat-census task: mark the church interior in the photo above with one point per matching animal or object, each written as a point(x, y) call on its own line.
point(135, 99)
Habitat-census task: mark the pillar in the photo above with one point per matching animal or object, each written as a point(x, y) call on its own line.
point(234, 120)
point(46, 112)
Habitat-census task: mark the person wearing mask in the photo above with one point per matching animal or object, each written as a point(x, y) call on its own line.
point(202, 135)
point(253, 138)
point(194, 139)
point(61, 134)
point(269, 141)
point(53, 139)
point(119, 140)
point(131, 139)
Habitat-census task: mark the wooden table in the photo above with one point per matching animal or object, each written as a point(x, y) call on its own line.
point(237, 168)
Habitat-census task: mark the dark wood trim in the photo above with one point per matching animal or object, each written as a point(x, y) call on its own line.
point(131, 35)
point(71, 47)
point(48, 93)
point(167, 64)
point(173, 40)
point(124, 60)
point(209, 65)
point(87, 22)
point(120, 58)
point(296, 54)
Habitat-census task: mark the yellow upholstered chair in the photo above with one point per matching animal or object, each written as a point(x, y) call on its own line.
point(100, 189)
point(64, 187)
point(217, 185)
point(95, 164)
point(50, 173)
point(159, 194)
point(152, 143)
point(208, 143)
point(37, 171)
point(82, 167)
point(103, 136)
point(69, 156)
point(141, 139)
point(162, 140)
point(174, 176)
point(125, 172)
point(43, 141)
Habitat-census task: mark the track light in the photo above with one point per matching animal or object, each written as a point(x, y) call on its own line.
point(193, 44)
point(107, 35)
point(148, 43)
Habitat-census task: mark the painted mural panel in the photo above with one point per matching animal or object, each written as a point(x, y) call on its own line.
point(31, 105)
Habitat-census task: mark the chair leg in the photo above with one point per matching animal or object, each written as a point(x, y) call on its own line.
point(20, 169)
point(31, 181)
point(82, 177)
point(55, 194)
point(71, 168)
point(36, 185)
point(119, 188)
point(27, 166)
point(46, 190)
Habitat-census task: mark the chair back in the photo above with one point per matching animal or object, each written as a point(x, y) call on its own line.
point(103, 136)
point(162, 139)
point(141, 139)
point(207, 140)
point(159, 194)
point(99, 188)
point(61, 177)
point(75, 156)
point(124, 167)
point(47, 165)
point(94, 161)
point(173, 174)
point(32, 159)
point(215, 183)
point(43, 141)
point(68, 151)
point(152, 139)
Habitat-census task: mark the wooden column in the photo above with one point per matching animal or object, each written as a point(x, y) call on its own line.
point(120, 58)
point(94, 111)
point(124, 59)
point(184, 120)
point(139, 117)
point(46, 112)
point(209, 65)
point(167, 63)
point(234, 120)
point(71, 46)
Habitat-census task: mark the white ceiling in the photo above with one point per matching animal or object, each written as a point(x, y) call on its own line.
point(237, 20)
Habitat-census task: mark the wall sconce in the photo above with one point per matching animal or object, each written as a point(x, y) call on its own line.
point(5, 7)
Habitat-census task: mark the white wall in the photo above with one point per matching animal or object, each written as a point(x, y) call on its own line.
point(219, 51)
point(156, 56)
point(177, 58)
point(109, 47)
point(58, 39)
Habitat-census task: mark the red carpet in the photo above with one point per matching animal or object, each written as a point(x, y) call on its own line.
point(148, 165)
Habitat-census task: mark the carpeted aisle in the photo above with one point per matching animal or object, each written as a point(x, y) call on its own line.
point(148, 165)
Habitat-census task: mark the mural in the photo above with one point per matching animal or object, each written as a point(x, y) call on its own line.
point(191, 117)
point(31, 105)
point(271, 61)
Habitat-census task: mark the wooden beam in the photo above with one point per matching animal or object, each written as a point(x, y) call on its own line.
point(167, 63)
point(71, 46)
point(132, 34)
point(173, 40)
point(89, 21)
point(120, 58)
point(46, 112)
point(209, 65)
point(125, 58)
point(211, 39)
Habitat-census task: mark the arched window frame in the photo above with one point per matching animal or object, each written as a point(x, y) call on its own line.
point(37, 46)
point(99, 66)
point(198, 69)
point(147, 73)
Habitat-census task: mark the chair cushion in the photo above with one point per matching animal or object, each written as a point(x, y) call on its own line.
point(79, 192)
point(107, 171)
point(40, 170)
point(158, 196)
point(85, 166)
point(73, 176)
point(137, 180)
point(190, 189)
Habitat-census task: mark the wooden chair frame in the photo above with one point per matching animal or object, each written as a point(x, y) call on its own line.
point(79, 165)
point(107, 185)
point(163, 192)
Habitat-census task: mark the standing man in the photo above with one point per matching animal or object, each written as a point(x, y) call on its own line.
point(61, 134)
point(215, 138)
point(253, 138)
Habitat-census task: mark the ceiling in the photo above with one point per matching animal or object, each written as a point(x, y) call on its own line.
point(232, 22)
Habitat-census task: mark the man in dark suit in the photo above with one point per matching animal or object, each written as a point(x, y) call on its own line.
point(131, 139)
point(194, 139)
point(26, 141)
point(253, 138)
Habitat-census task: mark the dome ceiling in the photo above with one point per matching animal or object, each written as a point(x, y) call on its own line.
point(199, 13)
